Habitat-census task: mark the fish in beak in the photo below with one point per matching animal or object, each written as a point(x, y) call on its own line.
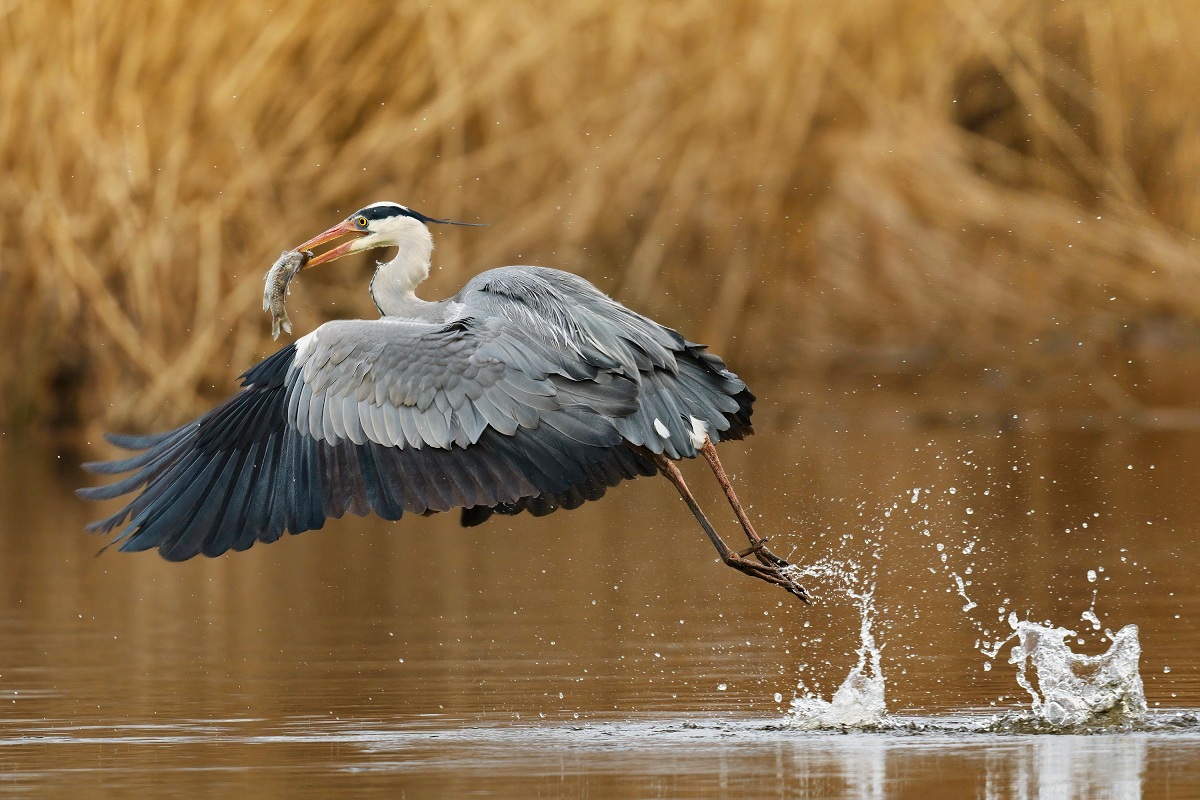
point(345, 228)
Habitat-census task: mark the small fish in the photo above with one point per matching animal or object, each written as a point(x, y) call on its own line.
point(278, 284)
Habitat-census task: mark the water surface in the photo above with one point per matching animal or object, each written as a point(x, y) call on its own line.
point(603, 652)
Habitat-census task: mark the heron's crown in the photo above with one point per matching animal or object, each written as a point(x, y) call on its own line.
point(386, 210)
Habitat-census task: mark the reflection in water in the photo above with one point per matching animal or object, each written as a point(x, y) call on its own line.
point(852, 766)
point(603, 652)
point(1029, 768)
point(680, 757)
point(1069, 766)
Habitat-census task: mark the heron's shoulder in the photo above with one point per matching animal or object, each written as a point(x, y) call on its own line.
point(519, 282)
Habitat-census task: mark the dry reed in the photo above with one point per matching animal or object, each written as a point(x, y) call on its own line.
point(798, 183)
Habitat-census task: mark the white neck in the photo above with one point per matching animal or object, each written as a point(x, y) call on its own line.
point(394, 286)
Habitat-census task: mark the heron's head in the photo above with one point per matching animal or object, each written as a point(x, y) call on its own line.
point(376, 225)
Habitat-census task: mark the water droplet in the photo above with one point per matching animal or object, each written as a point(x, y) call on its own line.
point(779, 697)
point(721, 687)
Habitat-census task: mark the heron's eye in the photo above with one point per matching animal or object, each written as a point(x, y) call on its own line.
point(361, 222)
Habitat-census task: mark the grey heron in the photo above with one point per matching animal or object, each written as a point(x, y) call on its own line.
point(528, 391)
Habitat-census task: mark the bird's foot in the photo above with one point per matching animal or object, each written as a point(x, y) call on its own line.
point(770, 568)
point(755, 548)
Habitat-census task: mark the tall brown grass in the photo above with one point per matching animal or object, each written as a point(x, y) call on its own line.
point(797, 183)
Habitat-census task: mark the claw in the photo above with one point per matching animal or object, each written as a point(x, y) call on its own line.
point(789, 583)
point(786, 573)
point(794, 587)
point(779, 575)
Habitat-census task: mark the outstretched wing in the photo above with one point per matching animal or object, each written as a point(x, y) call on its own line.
point(389, 415)
point(684, 393)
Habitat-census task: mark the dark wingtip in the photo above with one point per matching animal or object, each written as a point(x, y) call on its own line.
point(475, 515)
point(128, 441)
point(91, 492)
point(106, 467)
point(175, 552)
point(114, 467)
point(107, 524)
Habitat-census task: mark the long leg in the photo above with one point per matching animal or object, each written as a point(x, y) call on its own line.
point(757, 543)
point(769, 571)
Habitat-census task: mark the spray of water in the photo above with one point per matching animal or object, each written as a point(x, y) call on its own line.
point(859, 700)
point(1068, 691)
point(1074, 690)
point(1071, 690)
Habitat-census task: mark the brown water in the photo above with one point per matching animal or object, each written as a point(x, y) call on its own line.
point(604, 653)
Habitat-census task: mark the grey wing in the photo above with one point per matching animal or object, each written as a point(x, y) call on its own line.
point(390, 416)
point(409, 384)
point(684, 393)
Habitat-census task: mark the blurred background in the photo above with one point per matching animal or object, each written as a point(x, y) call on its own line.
point(951, 246)
point(987, 204)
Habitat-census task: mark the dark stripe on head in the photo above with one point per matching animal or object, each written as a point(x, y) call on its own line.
point(388, 210)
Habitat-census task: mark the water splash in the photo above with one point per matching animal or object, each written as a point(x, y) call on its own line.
point(1075, 690)
point(1068, 691)
point(859, 701)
